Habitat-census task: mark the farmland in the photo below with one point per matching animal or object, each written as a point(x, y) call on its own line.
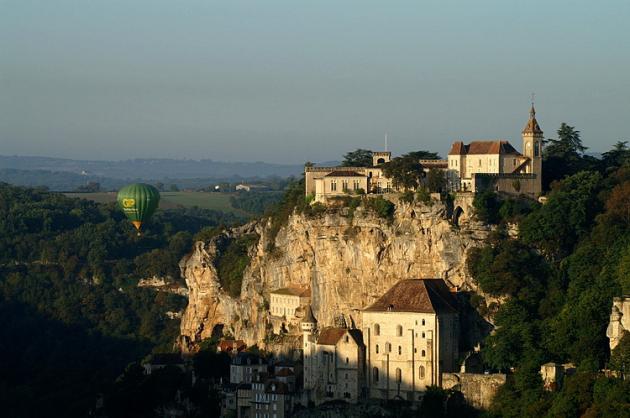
point(173, 200)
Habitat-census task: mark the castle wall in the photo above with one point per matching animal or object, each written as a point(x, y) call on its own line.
point(478, 389)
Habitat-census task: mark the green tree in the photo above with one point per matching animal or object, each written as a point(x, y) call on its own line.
point(616, 157)
point(358, 158)
point(405, 172)
point(556, 227)
point(487, 206)
point(436, 180)
point(423, 155)
point(568, 143)
point(620, 356)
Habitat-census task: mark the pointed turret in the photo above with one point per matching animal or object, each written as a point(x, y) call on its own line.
point(308, 323)
point(532, 126)
point(532, 149)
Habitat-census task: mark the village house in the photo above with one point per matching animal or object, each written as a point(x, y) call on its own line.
point(246, 367)
point(334, 360)
point(286, 307)
point(411, 335)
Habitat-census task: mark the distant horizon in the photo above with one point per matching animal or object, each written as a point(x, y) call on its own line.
point(339, 158)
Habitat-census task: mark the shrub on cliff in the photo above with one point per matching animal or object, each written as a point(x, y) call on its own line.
point(382, 207)
point(232, 260)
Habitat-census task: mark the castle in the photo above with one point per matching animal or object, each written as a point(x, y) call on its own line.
point(474, 167)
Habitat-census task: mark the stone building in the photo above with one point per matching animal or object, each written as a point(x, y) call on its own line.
point(271, 398)
point(324, 183)
point(497, 165)
point(287, 306)
point(619, 320)
point(284, 302)
point(474, 167)
point(411, 335)
point(334, 360)
point(246, 367)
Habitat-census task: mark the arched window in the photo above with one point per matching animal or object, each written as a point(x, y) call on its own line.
point(398, 375)
point(423, 322)
point(347, 339)
point(424, 353)
point(421, 372)
point(423, 335)
point(399, 331)
point(375, 374)
point(376, 348)
point(347, 360)
point(399, 350)
point(377, 329)
point(388, 347)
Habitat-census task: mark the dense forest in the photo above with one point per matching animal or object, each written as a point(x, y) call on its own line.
point(73, 318)
point(557, 281)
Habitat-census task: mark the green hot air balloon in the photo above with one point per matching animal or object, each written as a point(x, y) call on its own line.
point(138, 201)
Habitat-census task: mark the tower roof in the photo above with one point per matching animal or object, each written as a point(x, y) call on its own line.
point(482, 147)
point(416, 295)
point(309, 318)
point(532, 126)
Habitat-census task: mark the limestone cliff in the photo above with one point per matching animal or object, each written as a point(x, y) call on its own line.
point(347, 261)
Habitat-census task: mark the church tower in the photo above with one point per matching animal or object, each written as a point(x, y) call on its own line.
point(532, 148)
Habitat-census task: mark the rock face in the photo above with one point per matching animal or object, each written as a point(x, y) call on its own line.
point(347, 261)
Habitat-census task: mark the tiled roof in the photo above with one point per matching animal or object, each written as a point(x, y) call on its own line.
point(344, 173)
point(330, 336)
point(482, 147)
point(416, 295)
point(294, 291)
point(457, 148)
point(229, 345)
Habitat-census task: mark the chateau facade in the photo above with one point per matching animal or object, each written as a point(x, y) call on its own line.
point(480, 165)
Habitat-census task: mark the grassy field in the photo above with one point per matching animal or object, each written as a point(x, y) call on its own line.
point(172, 200)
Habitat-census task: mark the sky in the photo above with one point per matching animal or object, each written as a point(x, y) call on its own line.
point(294, 81)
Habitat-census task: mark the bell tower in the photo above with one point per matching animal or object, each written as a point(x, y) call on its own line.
point(532, 148)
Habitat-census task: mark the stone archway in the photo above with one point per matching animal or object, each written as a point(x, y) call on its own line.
point(458, 213)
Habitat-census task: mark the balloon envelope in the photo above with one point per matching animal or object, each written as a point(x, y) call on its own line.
point(138, 201)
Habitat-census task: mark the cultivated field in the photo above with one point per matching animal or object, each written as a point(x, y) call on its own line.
point(172, 200)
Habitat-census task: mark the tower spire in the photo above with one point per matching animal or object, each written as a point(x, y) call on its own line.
point(532, 111)
point(532, 126)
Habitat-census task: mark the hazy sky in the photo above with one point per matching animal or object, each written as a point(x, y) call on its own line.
point(304, 80)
